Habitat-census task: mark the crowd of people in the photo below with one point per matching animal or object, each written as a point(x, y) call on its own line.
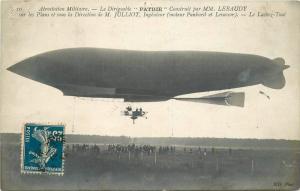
point(83, 148)
point(112, 148)
point(133, 148)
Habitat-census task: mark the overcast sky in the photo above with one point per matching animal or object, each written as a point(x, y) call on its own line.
point(24, 100)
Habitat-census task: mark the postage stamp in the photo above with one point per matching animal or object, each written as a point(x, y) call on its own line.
point(42, 149)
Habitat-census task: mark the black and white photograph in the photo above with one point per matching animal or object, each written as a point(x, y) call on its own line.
point(149, 95)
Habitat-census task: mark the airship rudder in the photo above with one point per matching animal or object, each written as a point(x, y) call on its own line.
point(275, 79)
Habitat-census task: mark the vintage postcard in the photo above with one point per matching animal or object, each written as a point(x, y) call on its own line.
point(150, 95)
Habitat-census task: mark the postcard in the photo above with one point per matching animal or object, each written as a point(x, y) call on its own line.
point(150, 95)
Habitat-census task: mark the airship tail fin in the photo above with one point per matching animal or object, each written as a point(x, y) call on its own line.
point(279, 60)
point(225, 98)
point(275, 82)
point(277, 79)
point(236, 99)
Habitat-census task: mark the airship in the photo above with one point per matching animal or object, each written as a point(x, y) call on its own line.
point(151, 76)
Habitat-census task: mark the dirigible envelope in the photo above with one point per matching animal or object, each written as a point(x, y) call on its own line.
point(149, 75)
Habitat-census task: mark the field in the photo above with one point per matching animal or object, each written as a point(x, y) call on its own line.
point(156, 167)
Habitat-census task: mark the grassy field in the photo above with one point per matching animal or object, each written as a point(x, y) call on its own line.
point(185, 168)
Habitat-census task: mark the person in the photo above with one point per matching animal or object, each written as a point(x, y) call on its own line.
point(129, 108)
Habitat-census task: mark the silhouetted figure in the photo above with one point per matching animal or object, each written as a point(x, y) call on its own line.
point(129, 108)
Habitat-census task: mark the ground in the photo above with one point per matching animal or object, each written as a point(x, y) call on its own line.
point(96, 167)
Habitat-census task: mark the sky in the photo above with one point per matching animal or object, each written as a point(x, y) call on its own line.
point(23, 100)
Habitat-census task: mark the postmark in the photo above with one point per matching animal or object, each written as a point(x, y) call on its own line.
point(42, 149)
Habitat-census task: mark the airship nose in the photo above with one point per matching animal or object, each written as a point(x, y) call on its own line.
point(14, 68)
point(24, 68)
